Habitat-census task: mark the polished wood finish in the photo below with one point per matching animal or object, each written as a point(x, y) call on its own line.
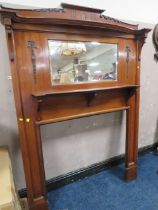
point(38, 102)
point(64, 107)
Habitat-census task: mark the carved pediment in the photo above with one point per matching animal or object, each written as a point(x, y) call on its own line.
point(67, 14)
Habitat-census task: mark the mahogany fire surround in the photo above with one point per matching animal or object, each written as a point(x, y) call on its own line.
point(38, 102)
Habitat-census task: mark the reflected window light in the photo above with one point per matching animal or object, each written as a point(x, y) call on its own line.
point(93, 64)
point(53, 51)
point(97, 72)
point(95, 43)
point(87, 71)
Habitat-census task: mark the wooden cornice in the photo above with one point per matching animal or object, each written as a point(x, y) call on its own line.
point(68, 14)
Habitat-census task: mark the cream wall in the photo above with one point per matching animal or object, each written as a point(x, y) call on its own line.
point(79, 143)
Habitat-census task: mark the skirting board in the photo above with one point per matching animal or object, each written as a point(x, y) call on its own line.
point(68, 178)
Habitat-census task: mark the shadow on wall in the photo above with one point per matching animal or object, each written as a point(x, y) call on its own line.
point(78, 143)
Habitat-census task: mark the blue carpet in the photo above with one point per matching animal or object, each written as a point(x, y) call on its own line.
point(107, 190)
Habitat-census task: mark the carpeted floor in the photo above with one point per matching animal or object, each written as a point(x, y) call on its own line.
point(107, 190)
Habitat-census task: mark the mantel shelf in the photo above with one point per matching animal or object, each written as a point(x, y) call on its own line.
point(49, 93)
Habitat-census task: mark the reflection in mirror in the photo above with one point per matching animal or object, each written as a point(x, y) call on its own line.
point(78, 62)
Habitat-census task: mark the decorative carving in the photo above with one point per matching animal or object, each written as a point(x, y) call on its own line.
point(141, 37)
point(109, 18)
point(140, 45)
point(32, 45)
point(49, 10)
point(128, 51)
point(20, 15)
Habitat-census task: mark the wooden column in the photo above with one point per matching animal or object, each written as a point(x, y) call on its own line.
point(29, 133)
point(132, 135)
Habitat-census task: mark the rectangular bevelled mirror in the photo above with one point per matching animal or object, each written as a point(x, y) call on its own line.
point(82, 62)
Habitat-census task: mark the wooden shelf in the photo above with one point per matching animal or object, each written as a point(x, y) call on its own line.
point(40, 94)
point(60, 119)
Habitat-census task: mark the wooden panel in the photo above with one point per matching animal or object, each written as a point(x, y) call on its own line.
point(40, 70)
point(127, 61)
point(63, 107)
point(40, 74)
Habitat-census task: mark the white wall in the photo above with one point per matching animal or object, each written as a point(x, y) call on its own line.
point(78, 143)
point(136, 10)
point(8, 123)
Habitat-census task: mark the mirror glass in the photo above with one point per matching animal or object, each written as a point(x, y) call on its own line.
point(82, 62)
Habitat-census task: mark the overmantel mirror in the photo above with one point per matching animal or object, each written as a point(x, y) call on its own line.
point(78, 62)
point(67, 63)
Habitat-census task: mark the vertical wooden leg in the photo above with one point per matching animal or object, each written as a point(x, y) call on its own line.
point(40, 205)
point(33, 166)
point(132, 136)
